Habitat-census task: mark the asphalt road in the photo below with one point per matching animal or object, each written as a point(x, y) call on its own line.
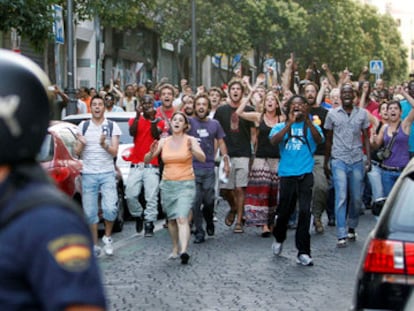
point(230, 271)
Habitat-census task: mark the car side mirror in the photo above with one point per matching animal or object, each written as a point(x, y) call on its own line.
point(377, 206)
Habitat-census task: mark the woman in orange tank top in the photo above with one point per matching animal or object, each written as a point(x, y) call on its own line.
point(178, 181)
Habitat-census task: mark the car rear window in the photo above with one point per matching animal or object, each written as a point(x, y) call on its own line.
point(122, 123)
point(402, 214)
point(69, 139)
point(125, 137)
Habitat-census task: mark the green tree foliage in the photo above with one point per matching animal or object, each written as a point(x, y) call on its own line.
point(119, 14)
point(346, 34)
point(273, 26)
point(219, 29)
point(33, 19)
point(343, 34)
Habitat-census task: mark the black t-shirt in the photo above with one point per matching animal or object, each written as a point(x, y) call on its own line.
point(264, 148)
point(237, 130)
point(321, 113)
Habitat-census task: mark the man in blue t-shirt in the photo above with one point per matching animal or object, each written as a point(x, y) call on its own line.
point(207, 132)
point(297, 139)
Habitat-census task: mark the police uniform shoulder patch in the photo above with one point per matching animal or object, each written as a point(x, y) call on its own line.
point(72, 252)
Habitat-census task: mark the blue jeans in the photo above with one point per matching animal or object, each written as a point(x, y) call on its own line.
point(205, 181)
point(388, 180)
point(374, 177)
point(92, 186)
point(148, 177)
point(347, 178)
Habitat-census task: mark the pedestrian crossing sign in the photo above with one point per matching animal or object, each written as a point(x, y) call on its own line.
point(376, 66)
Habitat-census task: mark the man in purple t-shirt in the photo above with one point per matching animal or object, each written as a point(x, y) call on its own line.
point(209, 134)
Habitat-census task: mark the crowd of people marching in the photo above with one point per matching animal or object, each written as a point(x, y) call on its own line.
point(281, 152)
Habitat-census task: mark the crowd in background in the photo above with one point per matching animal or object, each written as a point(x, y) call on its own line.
point(365, 142)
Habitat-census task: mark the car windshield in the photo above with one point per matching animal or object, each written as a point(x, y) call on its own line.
point(125, 137)
point(402, 214)
point(46, 151)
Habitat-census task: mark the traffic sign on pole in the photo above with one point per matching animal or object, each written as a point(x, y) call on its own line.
point(58, 24)
point(376, 67)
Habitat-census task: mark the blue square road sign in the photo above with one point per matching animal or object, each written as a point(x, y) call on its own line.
point(376, 66)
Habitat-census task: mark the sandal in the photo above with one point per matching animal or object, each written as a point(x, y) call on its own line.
point(230, 218)
point(238, 228)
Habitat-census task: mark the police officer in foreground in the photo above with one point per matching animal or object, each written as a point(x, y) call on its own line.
point(46, 258)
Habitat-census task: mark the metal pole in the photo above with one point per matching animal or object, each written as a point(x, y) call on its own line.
point(72, 105)
point(193, 46)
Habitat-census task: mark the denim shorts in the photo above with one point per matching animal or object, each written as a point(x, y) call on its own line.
point(99, 190)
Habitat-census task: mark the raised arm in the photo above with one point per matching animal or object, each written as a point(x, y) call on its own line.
point(408, 121)
point(321, 93)
point(118, 92)
point(253, 116)
point(364, 74)
point(287, 78)
point(329, 75)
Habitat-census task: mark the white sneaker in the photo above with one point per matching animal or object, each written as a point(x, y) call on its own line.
point(352, 236)
point(108, 248)
point(277, 248)
point(342, 243)
point(172, 256)
point(304, 260)
point(97, 250)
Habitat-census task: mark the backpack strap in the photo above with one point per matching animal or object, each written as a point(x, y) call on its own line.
point(85, 126)
point(303, 138)
point(87, 122)
point(111, 127)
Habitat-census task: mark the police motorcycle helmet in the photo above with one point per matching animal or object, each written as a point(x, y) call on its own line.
point(25, 97)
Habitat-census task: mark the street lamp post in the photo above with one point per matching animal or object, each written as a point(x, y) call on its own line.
point(193, 46)
point(72, 105)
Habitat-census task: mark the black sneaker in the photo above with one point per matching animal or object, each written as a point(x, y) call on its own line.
point(184, 258)
point(149, 229)
point(139, 224)
point(210, 228)
point(199, 240)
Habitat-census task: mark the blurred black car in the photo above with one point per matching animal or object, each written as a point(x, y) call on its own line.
point(385, 276)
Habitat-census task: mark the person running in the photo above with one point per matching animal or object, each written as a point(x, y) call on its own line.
point(297, 139)
point(97, 145)
point(208, 133)
point(344, 160)
point(394, 137)
point(238, 139)
point(263, 188)
point(178, 189)
point(145, 129)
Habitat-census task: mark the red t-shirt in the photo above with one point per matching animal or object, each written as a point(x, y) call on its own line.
point(166, 115)
point(143, 140)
